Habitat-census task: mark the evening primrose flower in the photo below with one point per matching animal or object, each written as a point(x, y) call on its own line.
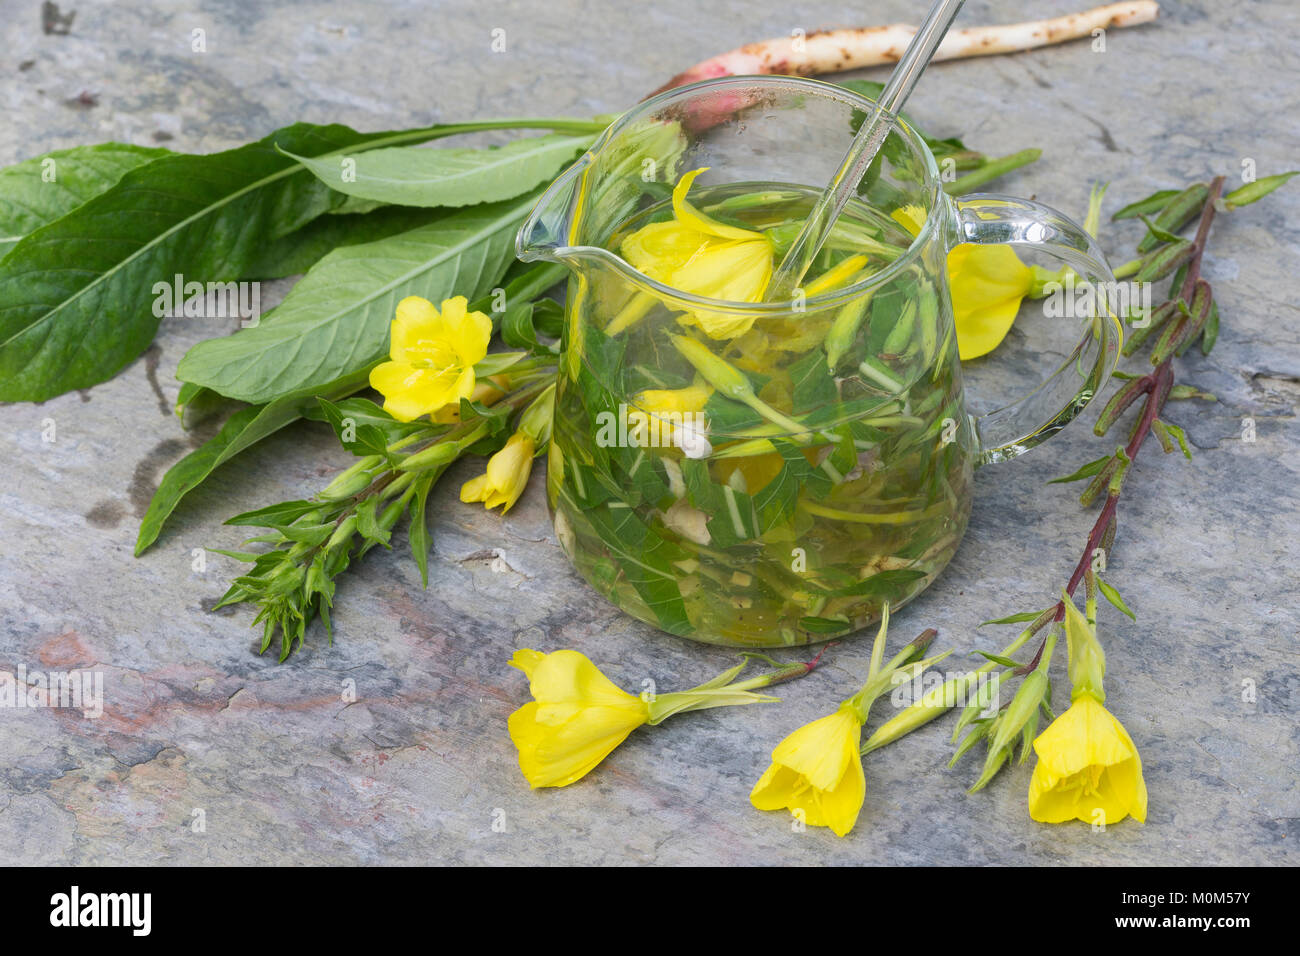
point(1088, 766)
point(432, 353)
point(816, 772)
point(508, 470)
point(987, 284)
point(578, 715)
point(671, 416)
point(506, 476)
point(697, 254)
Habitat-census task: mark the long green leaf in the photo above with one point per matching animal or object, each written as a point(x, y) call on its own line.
point(409, 176)
point(37, 191)
point(244, 429)
point(335, 320)
point(75, 295)
point(297, 252)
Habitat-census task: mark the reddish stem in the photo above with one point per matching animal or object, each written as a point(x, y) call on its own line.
point(1163, 381)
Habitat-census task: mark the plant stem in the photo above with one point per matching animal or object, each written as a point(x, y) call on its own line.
point(1162, 381)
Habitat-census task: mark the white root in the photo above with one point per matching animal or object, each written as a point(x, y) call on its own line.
point(832, 51)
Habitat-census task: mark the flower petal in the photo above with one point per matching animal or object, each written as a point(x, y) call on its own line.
point(660, 248)
point(688, 215)
point(551, 756)
point(822, 750)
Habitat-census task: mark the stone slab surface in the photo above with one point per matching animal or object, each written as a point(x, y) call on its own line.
point(419, 767)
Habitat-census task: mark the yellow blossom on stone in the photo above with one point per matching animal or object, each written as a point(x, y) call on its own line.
point(578, 715)
point(1088, 767)
point(576, 718)
point(697, 254)
point(506, 476)
point(432, 354)
point(816, 773)
point(987, 284)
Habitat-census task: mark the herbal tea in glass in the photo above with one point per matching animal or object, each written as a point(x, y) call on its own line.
point(759, 473)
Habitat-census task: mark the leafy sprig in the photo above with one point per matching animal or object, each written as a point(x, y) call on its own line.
point(1187, 316)
point(310, 542)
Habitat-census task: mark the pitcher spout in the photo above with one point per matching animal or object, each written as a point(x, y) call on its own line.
point(552, 227)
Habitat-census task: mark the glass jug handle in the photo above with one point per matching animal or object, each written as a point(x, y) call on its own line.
point(1010, 431)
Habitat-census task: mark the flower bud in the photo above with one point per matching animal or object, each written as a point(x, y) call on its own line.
point(1181, 210)
point(1164, 260)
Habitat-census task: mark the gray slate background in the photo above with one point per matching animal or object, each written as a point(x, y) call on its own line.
point(414, 771)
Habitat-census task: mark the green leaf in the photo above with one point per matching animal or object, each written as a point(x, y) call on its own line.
point(998, 659)
point(417, 534)
point(824, 625)
point(361, 437)
point(448, 177)
point(731, 514)
point(645, 560)
point(297, 252)
point(891, 583)
point(244, 429)
point(75, 295)
point(39, 190)
point(1147, 207)
point(362, 411)
point(1210, 334)
point(1253, 192)
point(195, 405)
point(519, 327)
point(1087, 471)
point(1111, 595)
point(335, 321)
point(1164, 235)
point(75, 300)
point(812, 384)
point(1015, 618)
point(283, 513)
point(1180, 436)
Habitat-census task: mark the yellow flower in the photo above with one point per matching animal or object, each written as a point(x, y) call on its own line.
point(1087, 763)
point(507, 474)
point(671, 416)
point(578, 715)
point(433, 355)
point(697, 254)
point(1088, 767)
point(987, 284)
point(668, 401)
point(576, 718)
point(816, 772)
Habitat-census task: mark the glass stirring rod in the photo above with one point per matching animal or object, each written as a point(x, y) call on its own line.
point(862, 151)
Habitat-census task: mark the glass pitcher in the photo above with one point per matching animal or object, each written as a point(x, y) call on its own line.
point(764, 474)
